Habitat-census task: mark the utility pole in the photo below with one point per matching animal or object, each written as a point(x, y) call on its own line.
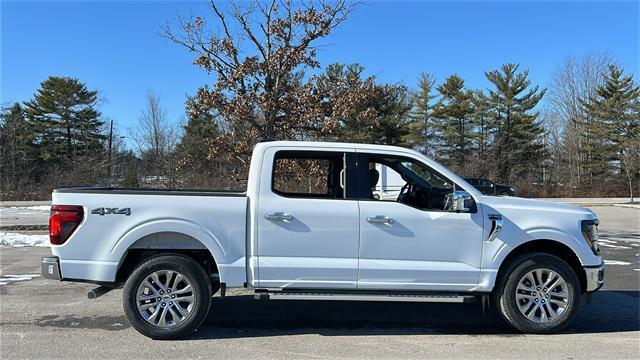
point(110, 142)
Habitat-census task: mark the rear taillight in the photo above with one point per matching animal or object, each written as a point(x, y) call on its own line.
point(63, 222)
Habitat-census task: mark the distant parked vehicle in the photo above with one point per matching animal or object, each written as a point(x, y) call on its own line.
point(488, 187)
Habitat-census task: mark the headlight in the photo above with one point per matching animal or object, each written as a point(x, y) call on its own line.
point(590, 233)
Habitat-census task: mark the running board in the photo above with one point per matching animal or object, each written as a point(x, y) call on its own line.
point(346, 296)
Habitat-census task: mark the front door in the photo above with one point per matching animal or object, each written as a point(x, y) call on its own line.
point(307, 221)
point(411, 242)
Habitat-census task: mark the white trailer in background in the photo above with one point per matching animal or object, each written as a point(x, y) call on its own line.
point(389, 183)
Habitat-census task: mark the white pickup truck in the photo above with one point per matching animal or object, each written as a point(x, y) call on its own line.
point(309, 227)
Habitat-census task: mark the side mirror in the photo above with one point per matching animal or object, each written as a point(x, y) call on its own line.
point(459, 201)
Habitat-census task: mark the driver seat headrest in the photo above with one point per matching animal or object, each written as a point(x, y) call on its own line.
point(374, 176)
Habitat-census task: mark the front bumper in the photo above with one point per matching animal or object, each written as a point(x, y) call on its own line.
point(595, 277)
point(50, 267)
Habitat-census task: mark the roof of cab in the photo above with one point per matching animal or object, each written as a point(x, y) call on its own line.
point(261, 147)
point(326, 144)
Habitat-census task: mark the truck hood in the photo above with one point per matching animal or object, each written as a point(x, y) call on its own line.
point(508, 203)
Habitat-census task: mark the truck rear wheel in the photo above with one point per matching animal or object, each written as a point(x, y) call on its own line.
point(167, 297)
point(540, 293)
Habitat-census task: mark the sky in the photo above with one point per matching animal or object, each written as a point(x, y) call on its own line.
point(115, 46)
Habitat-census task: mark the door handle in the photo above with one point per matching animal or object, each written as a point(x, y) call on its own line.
point(279, 216)
point(380, 220)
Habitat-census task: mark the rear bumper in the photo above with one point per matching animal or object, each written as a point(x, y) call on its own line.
point(595, 277)
point(89, 271)
point(50, 267)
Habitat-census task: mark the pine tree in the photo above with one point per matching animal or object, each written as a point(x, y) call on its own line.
point(393, 108)
point(615, 113)
point(344, 101)
point(194, 147)
point(518, 149)
point(64, 115)
point(421, 130)
point(453, 115)
point(18, 158)
point(355, 108)
point(484, 127)
point(483, 122)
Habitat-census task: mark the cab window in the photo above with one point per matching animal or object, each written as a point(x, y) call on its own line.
point(403, 180)
point(309, 174)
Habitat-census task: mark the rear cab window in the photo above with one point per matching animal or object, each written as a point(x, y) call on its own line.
point(310, 174)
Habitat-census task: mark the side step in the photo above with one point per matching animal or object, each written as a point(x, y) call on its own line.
point(365, 296)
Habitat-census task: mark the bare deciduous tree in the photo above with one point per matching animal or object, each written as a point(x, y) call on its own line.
point(156, 138)
point(574, 81)
point(255, 54)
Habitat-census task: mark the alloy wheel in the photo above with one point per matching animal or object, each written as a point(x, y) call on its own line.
point(165, 298)
point(542, 295)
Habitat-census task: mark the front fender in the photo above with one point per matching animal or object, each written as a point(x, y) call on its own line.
point(543, 233)
point(497, 251)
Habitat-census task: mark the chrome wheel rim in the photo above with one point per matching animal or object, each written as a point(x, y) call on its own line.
point(542, 295)
point(165, 298)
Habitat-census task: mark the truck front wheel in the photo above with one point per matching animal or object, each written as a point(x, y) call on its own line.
point(539, 293)
point(167, 297)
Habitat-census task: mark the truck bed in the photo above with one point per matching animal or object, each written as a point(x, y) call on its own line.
point(144, 218)
point(139, 191)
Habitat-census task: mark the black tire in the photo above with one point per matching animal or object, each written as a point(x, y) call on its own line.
point(194, 274)
point(504, 193)
point(505, 293)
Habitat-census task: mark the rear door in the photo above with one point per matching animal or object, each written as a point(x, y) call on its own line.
point(308, 219)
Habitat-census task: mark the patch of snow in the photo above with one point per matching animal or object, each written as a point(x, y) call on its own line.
point(32, 208)
point(616, 262)
point(636, 269)
point(21, 240)
point(8, 279)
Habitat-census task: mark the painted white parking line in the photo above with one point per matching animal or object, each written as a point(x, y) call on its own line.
point(623, 239)
point(612, 238)
point(616, 262)
point(601, 240)
point(614, 246)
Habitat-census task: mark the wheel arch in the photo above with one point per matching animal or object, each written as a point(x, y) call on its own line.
point(167, 236)
point(551, 247)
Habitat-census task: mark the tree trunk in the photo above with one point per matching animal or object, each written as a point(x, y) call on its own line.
point(269, 133)
point(69, 151)
point(630, 181)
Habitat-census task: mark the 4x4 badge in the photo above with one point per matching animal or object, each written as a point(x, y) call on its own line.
point(115, 211)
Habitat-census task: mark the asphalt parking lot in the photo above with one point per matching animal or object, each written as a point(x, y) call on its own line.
point(47, 319)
